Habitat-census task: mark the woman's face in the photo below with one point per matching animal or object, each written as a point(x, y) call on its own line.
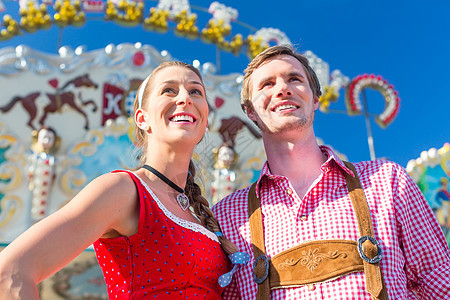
point(177, 110)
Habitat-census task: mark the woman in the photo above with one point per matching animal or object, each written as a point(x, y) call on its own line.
point(147, 242)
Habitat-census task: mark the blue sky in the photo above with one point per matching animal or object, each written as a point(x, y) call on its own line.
point(406, 42)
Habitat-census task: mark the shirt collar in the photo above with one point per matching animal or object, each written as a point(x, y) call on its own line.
point(333, 157)
point(332, 161)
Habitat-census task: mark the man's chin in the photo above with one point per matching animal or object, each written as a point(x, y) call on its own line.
point(297, 125)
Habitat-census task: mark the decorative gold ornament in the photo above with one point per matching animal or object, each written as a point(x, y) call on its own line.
point(68, 13)
point(215, 31)
point(330, 95)
point(127, 13)
point(130, 13)
point(11, 28)
point(157, 20)
point(235, 45)
point(10, 209)
point(254, 46)
point(186, 25)
point(34, 18)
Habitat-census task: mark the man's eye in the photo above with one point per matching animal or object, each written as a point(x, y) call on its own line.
point(295, 79)
point(268, 83)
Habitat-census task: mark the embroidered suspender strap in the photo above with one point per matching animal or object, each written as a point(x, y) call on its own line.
point(261, 264)
point(314, 262)
point(307, 263)
point(337, 257)
point(368, 247)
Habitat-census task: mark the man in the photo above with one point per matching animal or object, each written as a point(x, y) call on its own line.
point(303, 196)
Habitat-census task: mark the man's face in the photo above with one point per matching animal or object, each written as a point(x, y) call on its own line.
point(281, 96)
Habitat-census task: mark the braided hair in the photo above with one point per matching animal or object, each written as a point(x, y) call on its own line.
point(204, 212)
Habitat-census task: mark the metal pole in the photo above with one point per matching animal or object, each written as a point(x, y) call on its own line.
point(218, 59)
point(60, 37)
point(368, 126)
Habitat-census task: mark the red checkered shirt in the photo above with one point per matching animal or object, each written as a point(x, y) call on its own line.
point(416, 258)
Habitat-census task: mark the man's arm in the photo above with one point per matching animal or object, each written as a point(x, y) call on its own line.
point(427, 255)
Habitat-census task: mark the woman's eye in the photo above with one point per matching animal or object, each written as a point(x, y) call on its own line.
point(196, 92)
point(295, 79)
point(168, 90)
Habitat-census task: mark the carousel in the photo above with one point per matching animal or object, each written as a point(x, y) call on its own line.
point(66, 117)
point(431, 172)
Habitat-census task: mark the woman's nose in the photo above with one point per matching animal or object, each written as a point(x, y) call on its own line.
point(184, 98)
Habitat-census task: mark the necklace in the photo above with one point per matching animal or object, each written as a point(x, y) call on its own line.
point(182, 199)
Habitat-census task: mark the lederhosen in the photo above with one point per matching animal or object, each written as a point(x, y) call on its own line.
point(318, 261)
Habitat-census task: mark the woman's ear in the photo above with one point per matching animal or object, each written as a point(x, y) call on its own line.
point(140, 118)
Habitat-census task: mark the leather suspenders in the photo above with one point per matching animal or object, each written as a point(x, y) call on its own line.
point(337, 257)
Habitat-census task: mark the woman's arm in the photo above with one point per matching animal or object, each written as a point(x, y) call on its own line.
point(107, 205)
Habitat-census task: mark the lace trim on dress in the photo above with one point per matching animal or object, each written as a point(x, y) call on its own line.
point(183, 223)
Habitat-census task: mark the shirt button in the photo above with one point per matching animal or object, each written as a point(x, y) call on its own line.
point(311, 287)
point(303, 217)
point(289, 191)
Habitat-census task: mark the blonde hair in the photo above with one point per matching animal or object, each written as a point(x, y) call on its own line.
point(192, 190)
point(269, 53)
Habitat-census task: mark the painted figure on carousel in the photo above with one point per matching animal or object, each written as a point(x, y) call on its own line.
point(224, 177)
point(224, 173)
point(41, 170)
point(443, 199)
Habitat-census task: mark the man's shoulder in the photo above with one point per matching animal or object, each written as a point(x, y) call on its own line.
point(233, 202)
point(377, 166)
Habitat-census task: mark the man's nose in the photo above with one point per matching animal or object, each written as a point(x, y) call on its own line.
point(283, 89)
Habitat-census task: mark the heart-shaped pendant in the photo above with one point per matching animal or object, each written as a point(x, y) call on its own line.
point(183, 201)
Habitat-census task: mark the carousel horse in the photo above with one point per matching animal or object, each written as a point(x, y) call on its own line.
point(63, 96)
point(28, 103)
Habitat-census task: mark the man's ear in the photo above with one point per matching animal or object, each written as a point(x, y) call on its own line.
point(140, 119)
point(251, 115)
point(316, 103)
point(248, 107)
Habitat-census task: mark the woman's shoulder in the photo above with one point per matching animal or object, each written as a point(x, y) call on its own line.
point(111, 189)
point(116, 182)
point(118, 197)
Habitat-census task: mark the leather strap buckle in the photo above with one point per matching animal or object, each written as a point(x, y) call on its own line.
point(261, 279)
point(377, 257)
